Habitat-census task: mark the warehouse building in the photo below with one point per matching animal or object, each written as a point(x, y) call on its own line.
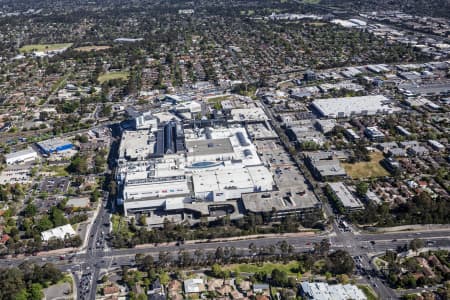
point(353, 106)
point(55, 145)
point(21, 156)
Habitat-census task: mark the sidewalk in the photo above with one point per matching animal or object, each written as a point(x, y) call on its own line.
point(411, 228)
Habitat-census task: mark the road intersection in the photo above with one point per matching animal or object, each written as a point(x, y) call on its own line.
point(93, 261)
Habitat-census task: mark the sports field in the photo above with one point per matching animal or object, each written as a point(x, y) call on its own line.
point(113, 75)
point(43, 47)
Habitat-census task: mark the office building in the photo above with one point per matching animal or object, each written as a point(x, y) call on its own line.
point(374, 134)
point(325, 165)
point(345, 196)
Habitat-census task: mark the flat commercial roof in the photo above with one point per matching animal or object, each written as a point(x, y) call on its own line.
point(52, 144)
point(329, 168)
point(18, 154)
point(248, 114)
point(261, 131)
point(430, 88)
point(347, 106)
point(58, 232)
point(136, 144)
point(208, 147)
point(325, 291)
point(283, 200)
point(345, 196)
point(227, 178)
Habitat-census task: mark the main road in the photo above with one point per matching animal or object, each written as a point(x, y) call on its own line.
point(98, 258)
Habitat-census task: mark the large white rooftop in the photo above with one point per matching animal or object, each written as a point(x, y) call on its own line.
point(58, 233)
point(348, 106)
point(232, 177)
point(325, 291)
point(22, 155)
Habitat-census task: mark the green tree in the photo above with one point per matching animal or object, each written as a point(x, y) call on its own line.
point(11, 284)
point(51, 273)
point(36, 292)
point(30, 210)
point(21, 295)
point(362, 188)
point(279, 278)
point(147, 263)
point(78, 165)
point(416, 244)
point(216, 270)
point(57, 217)
point(340, 262)
point(142, 220)
point(164, 278)
point(45, 223)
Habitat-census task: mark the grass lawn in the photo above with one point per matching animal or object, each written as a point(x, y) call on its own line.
point(67, 278)
point(113, 75)
point(91, 48)
point(119, 224)
point(317, 23)
point(57, 170)
point(217, 101)
point(290, 268)
point(380, 262)
point(43, 47)
point(218, 98)
point(320, 264)
point(367, 169)
point(370, 294)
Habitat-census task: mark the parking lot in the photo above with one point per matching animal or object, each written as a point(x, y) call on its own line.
point(286, 173)
point(54, 185)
